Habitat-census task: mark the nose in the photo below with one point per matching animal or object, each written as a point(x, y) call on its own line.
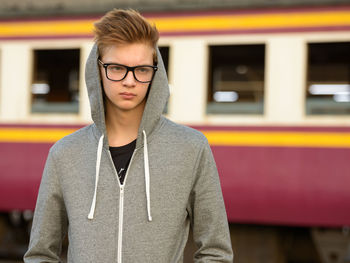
point(129, 80)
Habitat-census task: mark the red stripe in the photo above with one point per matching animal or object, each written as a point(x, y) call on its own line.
point(258, 31)
point(202, 127)
point(44, 126)
point(87, 36)
point(52, 18)
point(21, 166)
point(287, 186)
point(274, 128)
point(185, 13)
point(247, 11)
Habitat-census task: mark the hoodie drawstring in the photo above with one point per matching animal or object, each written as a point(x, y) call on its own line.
point(147, 178)
point(98, 162)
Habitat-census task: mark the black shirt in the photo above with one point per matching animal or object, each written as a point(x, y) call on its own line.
point(121, 158)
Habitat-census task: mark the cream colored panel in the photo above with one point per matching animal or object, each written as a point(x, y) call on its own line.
point(85, 112)
point(285, 79)
point(188, 71)
point(15, 82)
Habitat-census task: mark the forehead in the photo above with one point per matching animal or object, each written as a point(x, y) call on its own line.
point(128, 54)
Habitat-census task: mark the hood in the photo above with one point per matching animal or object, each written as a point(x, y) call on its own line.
point(156, 101)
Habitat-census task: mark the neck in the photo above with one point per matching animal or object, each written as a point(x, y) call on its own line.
point(122, 125)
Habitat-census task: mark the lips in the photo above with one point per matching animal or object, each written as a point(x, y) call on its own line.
point(127, 95)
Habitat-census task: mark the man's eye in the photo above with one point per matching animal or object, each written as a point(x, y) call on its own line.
point(116, 68)
point(143, 70)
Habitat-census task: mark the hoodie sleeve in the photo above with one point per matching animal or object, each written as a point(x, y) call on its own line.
point(50, 220)
point(207, 212)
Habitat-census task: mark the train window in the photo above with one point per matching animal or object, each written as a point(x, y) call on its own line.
point(236, 79)
point(328, 79)
point(55, 86)
point(164, 51)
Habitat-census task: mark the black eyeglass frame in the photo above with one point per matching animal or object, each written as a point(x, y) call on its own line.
point(132, 69)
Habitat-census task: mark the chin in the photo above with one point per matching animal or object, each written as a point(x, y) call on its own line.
point(127, 106)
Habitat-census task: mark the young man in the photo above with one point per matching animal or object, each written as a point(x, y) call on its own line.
point(128, 187)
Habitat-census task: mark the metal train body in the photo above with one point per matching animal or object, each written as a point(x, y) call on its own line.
point(280, 167)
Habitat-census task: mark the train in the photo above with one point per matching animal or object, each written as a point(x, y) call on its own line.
point(269, 88)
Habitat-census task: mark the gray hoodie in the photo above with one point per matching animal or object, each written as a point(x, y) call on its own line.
point(171, 184)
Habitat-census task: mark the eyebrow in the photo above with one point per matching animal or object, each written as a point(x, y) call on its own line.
point(138, 65)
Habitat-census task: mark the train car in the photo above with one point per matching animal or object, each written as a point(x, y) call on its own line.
point(269, 88)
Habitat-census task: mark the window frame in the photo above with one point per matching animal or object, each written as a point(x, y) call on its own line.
point(310, 102)
point(227, 108)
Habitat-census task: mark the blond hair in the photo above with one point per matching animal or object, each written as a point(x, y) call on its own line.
point(120, 27)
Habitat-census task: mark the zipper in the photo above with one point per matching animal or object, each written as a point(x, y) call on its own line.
point(121, 206)
point(120, 232)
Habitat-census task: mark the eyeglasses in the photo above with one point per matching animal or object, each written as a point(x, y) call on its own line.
point(118, 72)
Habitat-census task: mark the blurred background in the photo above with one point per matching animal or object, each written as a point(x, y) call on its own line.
point(268, 83)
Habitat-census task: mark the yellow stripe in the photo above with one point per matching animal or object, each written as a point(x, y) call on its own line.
point(33, 135)
point(186, 23)
point(44, 28)
point(215, 138)
point(257, 21)
point(280, 139)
